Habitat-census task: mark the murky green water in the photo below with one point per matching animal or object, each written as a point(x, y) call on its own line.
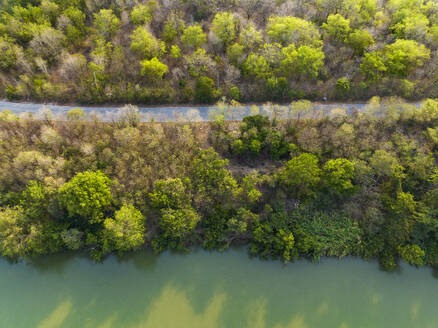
point(204, 290)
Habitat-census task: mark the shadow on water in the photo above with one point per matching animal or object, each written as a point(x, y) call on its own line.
point(56, 263)
point(143, 260)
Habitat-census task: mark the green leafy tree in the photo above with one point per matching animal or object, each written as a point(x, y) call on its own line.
point(146, 44)
point(178, 224)
point(413, 254)
point(403, 56)
point(211, 181)
point(301, 175)
point(126, 231)
point(257, 66)
point(143, 13)
point(224, 27)
point(287, 30)
point(35, 200)
point(9, 53)
point(373, 66)
point(250, 37)
point(275, 244)
point(19, 237)
point(413, 26)
point(337, 175)
point(76, 30)
point(173, 26)
point(360, 40)
point(337, 27)
point(309, 61)
point(87, 195)
point(235, 53)
point(193, 37)
point(205, 92)
point(170, 193)
point(72, 238)
point(153, 69)
point(75, 114)
point(175, 52)
point(106, 23)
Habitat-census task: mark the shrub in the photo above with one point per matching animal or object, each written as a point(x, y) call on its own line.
point(87, 195)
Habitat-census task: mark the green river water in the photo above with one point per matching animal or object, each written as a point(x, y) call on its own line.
point(203, 289)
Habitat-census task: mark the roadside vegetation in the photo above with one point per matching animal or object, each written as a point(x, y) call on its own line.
point(192, 51)
point(286, 181)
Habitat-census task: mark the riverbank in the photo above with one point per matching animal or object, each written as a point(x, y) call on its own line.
point(310, 186)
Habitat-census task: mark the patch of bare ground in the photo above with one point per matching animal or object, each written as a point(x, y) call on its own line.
point(242, 168)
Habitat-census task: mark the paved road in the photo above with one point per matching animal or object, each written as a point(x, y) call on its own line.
point(162, 114)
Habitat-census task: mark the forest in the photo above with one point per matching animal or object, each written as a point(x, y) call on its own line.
point(202, 51)
point(285, 181)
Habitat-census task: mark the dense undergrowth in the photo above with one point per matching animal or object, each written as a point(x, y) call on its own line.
point(195, 51)
point(307, 186)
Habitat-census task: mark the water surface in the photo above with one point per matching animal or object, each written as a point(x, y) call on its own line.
point(202, 289)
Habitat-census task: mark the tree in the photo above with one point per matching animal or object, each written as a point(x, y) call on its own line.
point(75, 114)
point(126, 231)
point(337, 175)
point(74, 27)
point(309, 61)
point(205, 91)
point(257, 66)
point(9, 53)
point(35, 200)
point(143, 13)
point(235, 53)
point(224, 27)
point(360, 40)
point(19, 237)
point(287, 30)
point(173, 26)
point(403, 56)
point(178, 224)
point(250, 37)
point(373, 66)
point(413, 254)
point(301, 175)
point(170, 193)
point(106, 23)
point(146, 44)
point(212, 183)
point(153, 69)
point(87, 195)
point(193, 37)
point(337, 27)
point(269, 242)
point(414, 26)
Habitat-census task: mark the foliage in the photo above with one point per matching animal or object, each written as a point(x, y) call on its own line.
point(126, 231)
point(106, 23)
point(153, 69)
point(205, 91)
point(337, 175)
point(193, 37)
point(301, 175)
point(94, 52)
point(224, 27)
point(287, 30)
point(146, 44)
point(86, 195)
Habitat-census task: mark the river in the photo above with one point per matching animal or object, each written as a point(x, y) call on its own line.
point(213, 290)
